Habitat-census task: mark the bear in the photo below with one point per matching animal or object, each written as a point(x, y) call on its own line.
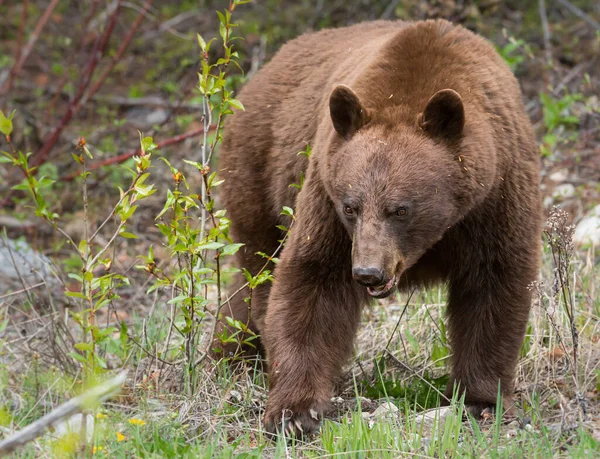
point(424, 170)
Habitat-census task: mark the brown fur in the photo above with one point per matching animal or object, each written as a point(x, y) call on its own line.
point(424, 167)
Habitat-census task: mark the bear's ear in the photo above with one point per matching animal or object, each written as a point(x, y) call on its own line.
point(444, 115)
point(347, 113)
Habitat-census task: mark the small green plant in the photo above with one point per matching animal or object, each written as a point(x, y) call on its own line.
point(558, 119)
point(515, 51)
point(200, 244)
point(96, 291)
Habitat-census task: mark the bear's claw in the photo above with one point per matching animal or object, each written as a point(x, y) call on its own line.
point(300, 425)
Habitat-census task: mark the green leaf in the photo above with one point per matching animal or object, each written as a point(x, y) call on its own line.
point(287, 211)
point(6, 125)
point(77, 277)
point(148, 144)
point(76, 295)
point(77, 357)
point(236, 104)
point(84, 346)
point(209, 246)
point(127, 235)
point(82, 247)
point(231, 249)
point(201, 42)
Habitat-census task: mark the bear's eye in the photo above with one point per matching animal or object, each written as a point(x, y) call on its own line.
point(402, 212)
point(348, 210)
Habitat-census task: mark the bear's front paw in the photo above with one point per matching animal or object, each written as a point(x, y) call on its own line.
point(485, 410)
point(300, 423)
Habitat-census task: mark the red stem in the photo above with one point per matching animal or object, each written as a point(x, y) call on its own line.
point(27, 50)
point(75, 105)
point(120, 52)
point(125, 156)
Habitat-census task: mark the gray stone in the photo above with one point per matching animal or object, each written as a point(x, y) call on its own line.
point(564, 191)
point(587, 230)
point(19, 261)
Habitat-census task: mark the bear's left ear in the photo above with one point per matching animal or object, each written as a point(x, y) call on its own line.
point(444, 115)
point(347, 113)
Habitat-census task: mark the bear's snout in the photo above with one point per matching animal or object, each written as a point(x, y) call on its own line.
point(369, 276)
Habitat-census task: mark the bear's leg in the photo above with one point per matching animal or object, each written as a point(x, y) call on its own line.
point(312, 316)
point(488, 310)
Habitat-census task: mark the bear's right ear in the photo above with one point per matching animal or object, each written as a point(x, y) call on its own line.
point(444, 115)
point(347, 113)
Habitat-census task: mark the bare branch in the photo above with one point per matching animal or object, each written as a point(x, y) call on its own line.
point(66, 410)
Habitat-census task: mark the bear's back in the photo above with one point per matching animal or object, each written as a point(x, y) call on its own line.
point(388, 64)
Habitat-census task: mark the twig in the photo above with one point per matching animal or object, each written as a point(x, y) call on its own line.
point(400, 362)
point(119, 54)
point(580, 14)
point(23, 290)
point(390, 9)
point(66, 410)
point(27, 50)
point(75, 104)
point(546, 30)
point(399, 319)
point(19, 48)
point(112, 213)
point(125, 156)
point(153, 356)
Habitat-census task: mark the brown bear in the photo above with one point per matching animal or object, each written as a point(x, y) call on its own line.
point(424, 169)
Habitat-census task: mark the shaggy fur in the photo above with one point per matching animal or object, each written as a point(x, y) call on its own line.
point(424, 170)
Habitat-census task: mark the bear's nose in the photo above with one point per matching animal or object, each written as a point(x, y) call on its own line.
point(369, 277)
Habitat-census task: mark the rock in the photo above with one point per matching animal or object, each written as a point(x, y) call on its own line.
point(564, 191)
point(143, 118)
point(19, 261)
point(432, 419)
point(234, 396)
point(559, 176)
point(385, 409)
point(587, 230)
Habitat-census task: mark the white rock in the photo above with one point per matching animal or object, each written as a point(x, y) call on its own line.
point(429, 419)
point(235, 396)
point(19, 261)
point(587, 230)
point(559, 175)
point(384, 409)
point(564, 191)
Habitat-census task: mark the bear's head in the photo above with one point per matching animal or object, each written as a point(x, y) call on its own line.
point(394, 182)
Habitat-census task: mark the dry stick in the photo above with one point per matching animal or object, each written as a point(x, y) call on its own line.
point(23, 290)
point(431, 386)
point(66, 410)
point(19, 48)
point(119, 54)
point(390, 9)
point(75, 105)
point(580, 14)
point(82, 46)
point(546, 30)
point(399, 319)
point(27, 50)
point(125, 156)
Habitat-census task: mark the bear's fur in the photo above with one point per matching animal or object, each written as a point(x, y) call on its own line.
point(424, 169)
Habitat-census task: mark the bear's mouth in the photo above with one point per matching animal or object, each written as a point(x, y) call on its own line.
point(383, 290)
